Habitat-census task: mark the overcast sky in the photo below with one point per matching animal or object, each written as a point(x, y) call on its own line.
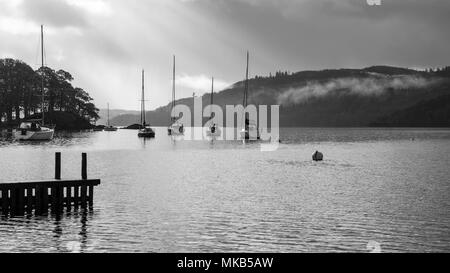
point(105, 43)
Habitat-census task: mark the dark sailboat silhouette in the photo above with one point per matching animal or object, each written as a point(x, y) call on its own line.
point(145, 131)
point(176, 127)
point(109, 127)
point(250, 130)
point(213, 130)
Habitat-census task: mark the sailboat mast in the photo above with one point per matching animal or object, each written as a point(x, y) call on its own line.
point(246, 82)
point(143, 100)
point(212, 91)
point(108, 113)
point(173, 89)
point(212, 94)
point(42, 74)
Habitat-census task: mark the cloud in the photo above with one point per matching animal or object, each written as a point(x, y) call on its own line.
point(99, 7)
point(356, 86)
point(200, 83)
point(17, 26)
point(53, 12)
point(105, 43)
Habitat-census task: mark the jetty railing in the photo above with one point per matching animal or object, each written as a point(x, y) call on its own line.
point(19, 198)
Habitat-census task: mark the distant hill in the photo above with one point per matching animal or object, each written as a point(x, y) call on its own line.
point(113, 113)
point(432, 113)
point(334, 97)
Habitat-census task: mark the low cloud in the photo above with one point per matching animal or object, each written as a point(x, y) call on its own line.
point(54, 12)
point(200, 83)
point(357, 86)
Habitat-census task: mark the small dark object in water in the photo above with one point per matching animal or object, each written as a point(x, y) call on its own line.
point(317, 156)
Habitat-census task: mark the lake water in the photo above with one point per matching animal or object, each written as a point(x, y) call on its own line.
point(390, 186)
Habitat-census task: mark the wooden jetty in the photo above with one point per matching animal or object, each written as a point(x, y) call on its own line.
point(20, 198)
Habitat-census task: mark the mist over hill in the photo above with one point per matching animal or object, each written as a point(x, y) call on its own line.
point(373, 96)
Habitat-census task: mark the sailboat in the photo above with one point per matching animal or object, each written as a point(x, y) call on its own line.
point(213, 130)
point(250, 130)
point(36, 129)
point(176, 128)
point(109, 128)
point(145, 131)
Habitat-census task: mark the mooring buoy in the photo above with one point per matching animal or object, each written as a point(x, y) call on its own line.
point(317, 156)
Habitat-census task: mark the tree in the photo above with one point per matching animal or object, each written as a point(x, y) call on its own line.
point(20, 93)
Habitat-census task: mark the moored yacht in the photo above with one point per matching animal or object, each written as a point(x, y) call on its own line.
point(250, 131)
point(176, 128)
point(108, 127)
point(32, 130)
point(36, 129)
point(213, 129)
point(146, 131)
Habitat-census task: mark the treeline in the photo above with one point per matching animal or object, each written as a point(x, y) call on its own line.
point(278, 74)
point(21, 96)
point(444, 71)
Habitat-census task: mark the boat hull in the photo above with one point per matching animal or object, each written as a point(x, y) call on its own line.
point(175, 130)
point(43, 135)
point(213, 133)
point(250, 135)
point(146, 133)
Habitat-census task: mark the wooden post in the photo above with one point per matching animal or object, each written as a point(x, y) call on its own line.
point(76, 196)
point(57, 195)
point(20, 193)
point(69, 198)
point(58, 166)
point(5, 203)
point(54, 198)
point(45, 200)
point(29, 200)
point(13, 202)
point(84, 166)
point(83, 196)
point(91, 196)
point(60, 192)
point(38, 200)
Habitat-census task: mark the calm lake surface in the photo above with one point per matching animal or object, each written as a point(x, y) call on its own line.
point(391, 186)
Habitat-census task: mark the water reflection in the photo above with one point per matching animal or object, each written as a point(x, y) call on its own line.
point(145, 141)
point(64, 232)
point(161, 195)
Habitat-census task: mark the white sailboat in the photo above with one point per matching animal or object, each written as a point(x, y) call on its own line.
point(146, 131)
point(36, 129)
point(176, 128)
point(250, 131)
point(214, 129)
point(108, 127)
point(32, 130)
